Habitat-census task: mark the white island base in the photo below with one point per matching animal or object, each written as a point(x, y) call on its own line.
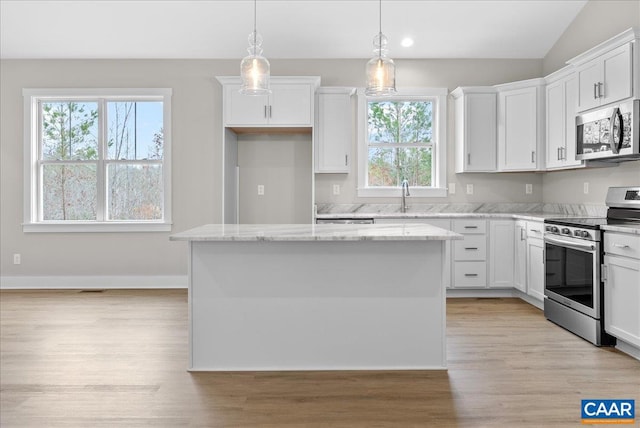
point(316, 305)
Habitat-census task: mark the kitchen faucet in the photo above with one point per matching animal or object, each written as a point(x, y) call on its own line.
point(405, 185)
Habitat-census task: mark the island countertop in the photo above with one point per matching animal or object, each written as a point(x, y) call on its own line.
point(316, 232)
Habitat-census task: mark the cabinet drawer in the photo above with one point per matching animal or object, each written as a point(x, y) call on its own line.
point(622, 244)
point(472, 247)
point(535, 229)
point(470, 226)
point(470, 274)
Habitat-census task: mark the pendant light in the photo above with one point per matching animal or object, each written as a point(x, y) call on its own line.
point(381, 71)
point(254, 68)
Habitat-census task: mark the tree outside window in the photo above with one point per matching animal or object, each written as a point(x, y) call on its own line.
point(400, 143)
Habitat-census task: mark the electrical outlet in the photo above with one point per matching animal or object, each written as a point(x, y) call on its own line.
point(528, 189)
point(17, 259)
point(469, 189)
point(260, 189)
point(336, 189)
point(452, 188)
point(585, 187)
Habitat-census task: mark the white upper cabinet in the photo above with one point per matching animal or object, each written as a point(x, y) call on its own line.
point(475, 129)
point(290, 104)
point(561, 105)
point(606, 72)
point(521, 126)
point(333, 129)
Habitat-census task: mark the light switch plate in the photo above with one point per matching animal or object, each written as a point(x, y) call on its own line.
point(260, 189)
point(336, 189)
point(452, 188)
point(469, 189)
point(528, 189)
point(585, 187)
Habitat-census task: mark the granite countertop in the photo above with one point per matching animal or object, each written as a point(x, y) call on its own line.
point(315, 232)
point(633, 228)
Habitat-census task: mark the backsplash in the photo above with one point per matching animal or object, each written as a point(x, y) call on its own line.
point(566, 209)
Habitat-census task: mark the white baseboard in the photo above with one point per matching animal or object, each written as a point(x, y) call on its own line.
point(480, 293)
point(628, 349)
point(92, 282)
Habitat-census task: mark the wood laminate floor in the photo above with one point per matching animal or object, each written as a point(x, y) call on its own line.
point(118, 358)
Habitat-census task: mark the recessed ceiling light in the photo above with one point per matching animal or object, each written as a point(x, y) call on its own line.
point(406, 42)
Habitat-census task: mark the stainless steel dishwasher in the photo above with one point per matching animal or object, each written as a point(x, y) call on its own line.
point(344, 221)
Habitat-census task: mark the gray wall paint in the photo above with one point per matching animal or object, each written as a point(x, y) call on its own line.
point(596, 22)
point(599, 20)
point(197, 152)
point(283, 165)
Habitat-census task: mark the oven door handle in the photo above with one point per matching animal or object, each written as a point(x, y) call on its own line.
point(591, 247)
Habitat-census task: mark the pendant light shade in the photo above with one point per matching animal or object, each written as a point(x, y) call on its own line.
point(381, 70)
point(255, 71)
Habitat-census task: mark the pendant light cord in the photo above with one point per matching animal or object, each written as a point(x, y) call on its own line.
point(380, 29)
point(255, 20)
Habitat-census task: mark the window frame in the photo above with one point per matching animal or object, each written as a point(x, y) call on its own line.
point(439, 143)
point(32, 221)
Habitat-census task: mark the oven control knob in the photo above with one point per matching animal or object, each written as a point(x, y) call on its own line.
point(585, 234)
point(566, 231)
point(577, 233)
point(548, 228)
point(554, 229)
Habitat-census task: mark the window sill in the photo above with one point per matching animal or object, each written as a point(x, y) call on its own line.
point(66, 227)
point(393, 192)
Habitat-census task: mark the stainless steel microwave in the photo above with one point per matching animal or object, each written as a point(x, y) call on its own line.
point(610, 133)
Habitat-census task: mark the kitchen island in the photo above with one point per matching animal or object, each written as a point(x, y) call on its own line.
point(316, 297)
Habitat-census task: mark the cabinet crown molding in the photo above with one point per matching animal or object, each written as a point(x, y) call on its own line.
point(461, 90)
point(629, 35)
point(521, 84)
point(235, 80)
point(346, 90)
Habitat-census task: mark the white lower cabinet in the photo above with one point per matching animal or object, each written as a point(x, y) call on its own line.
point(535, 268)
point(520, 256)
point(437, 222)
point(501, 254)
point(470, 254)
point(622, 287)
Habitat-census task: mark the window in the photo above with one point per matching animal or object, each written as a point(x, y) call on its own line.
point(97, 160)
point(402, 138)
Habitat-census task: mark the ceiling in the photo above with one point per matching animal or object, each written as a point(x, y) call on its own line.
point(291, 29)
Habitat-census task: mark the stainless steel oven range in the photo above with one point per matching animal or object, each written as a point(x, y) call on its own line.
point(573, 290)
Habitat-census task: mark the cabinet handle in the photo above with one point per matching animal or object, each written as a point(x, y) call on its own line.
point(522, 234)
point(558, 154)
point(471, 227)
point(595, 91)
point(533, 157)
point(470, 248)
point(468, 158)
point(535, 230)
point(600, 91)
point(265, 111)
point(603, 271)
point(563, 153)
point(620, 246)
point(346, 160)
point(470, 274)
point(270, 111)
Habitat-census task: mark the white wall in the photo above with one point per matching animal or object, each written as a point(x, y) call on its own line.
point(197, 151)
point(596, 22)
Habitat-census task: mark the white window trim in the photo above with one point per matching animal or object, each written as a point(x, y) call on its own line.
point(439, 189)
point(30, 157)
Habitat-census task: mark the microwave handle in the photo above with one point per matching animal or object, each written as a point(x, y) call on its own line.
point(615, 148)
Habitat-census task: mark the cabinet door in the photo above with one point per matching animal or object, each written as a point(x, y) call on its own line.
point(520, 255)
point(518, 130)
point(290, 104)
point(589, 75)
point(244, 110)
point(480, 129)
point(556, 119)
point(501, 254)
point(570, 110)
point(535, 268)
point(333, 132)
point(622, 298)
point(617, 74)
